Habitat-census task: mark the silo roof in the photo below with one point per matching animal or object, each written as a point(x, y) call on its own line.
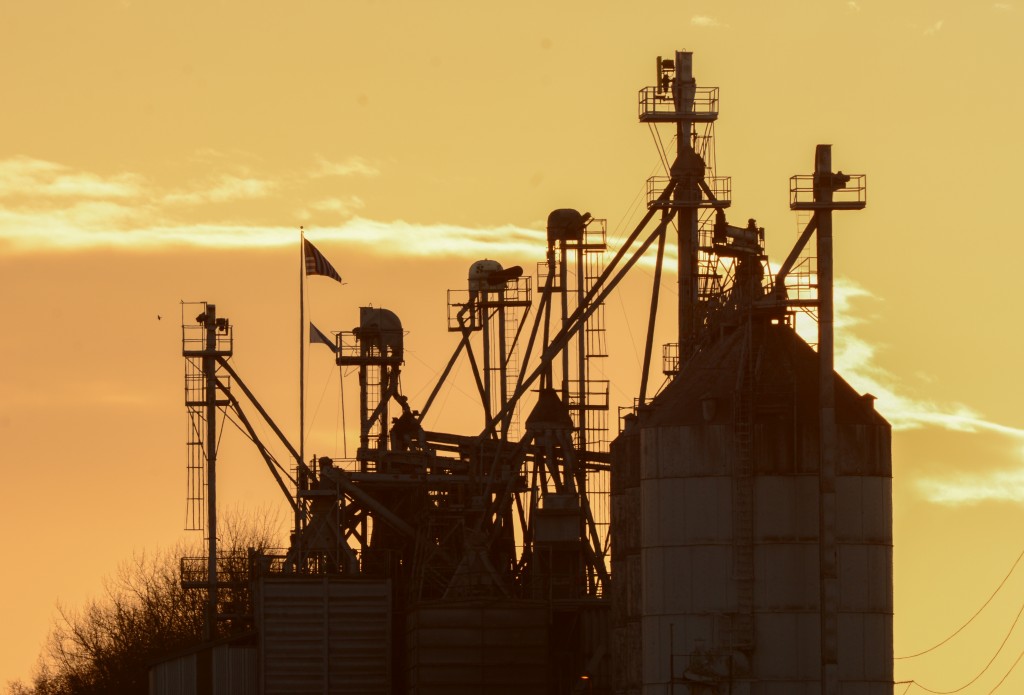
point(706, 387)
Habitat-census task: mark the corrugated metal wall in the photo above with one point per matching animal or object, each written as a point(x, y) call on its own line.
point(222, 670)
point(234, 671)
point(477, 646)
point(689, 590)
point(324, 636)
point(174, 677)
point(626, 609)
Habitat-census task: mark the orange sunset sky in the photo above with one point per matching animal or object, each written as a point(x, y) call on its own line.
point(155, 151)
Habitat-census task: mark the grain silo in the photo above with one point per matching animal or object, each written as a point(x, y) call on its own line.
point(728, 541)
point(751, 498)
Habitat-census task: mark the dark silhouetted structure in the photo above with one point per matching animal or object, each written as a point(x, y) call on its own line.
point(735, 538)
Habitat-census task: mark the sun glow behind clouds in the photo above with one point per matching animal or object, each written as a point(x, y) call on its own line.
point(48, 207)
point(968, 489)
point(856, 362)
point(27, 182)
point(81, 228)
point(37, 178)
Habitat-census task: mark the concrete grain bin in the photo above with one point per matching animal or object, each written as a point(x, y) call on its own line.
point(717, 586)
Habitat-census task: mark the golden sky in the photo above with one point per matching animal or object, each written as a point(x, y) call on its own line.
point(156, 151)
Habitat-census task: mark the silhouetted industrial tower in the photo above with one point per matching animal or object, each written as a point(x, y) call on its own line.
point(482, 562)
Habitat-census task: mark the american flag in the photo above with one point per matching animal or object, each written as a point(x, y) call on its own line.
point(317, 264)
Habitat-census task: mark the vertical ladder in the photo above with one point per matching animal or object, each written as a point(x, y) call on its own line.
point(709, 277)
point(373, 394)
point(594, 418)
point(512, 321)
point(743, 498)
point(195, 495)
point(596, 335)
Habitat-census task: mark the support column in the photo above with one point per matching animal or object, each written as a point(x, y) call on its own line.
point(829, 576)
point(210, 375)
point(685, 199)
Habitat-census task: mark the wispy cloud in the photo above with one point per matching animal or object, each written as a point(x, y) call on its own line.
point(852, 6)
point(47, 205)
point(77, 229)
point(933, 28)
point(223, 189)
point(440, 239)
point(856, 361)
point(353, 166)
point(1002, 6)
point(50, 207)
point(31, 182)
point(26, 176)
point(704, 22)
point(344, 207)
point(971, 489)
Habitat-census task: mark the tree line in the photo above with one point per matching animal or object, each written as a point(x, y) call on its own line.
point(107, 646)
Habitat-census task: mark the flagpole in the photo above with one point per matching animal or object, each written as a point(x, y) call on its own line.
point(302, 346)
point(312, 263)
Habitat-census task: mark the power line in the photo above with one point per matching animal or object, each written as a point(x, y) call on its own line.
point(971, 682)
point(995, 688)
point(971, 619)
point(1019, 657)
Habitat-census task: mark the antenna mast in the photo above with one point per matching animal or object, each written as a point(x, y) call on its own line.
point(676, 99)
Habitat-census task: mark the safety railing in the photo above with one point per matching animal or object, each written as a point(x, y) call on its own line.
point(853, 195)
point(720, 187)
point(658, 105)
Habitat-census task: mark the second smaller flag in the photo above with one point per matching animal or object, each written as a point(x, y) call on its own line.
point(318, 336)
